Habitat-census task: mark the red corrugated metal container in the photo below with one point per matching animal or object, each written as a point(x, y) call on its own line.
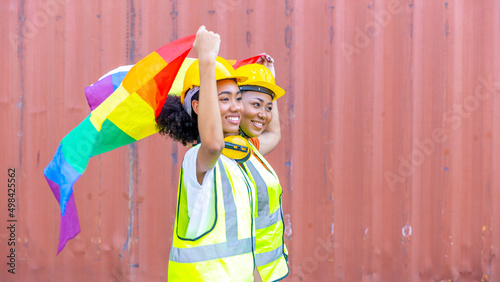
point(391, 135)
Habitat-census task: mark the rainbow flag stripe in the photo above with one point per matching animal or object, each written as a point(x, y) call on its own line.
point(252, 60)
point(124, 106)
point(105, 86)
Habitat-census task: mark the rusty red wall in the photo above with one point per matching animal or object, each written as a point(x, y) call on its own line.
point(390, 155)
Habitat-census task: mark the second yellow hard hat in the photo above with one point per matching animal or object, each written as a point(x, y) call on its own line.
point(260, 79)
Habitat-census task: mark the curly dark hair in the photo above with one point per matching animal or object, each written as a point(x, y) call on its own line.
point(175, 122)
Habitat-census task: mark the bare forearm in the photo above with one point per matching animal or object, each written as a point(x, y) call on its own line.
point(209, 119)
point(271, 136)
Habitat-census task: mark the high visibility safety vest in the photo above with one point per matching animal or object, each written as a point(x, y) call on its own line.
point(225, 251)
point(271, 254)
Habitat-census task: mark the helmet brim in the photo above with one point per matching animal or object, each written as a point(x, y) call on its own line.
point(278, 91)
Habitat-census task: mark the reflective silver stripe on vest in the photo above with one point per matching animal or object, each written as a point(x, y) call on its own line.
point(232, 246)
point(229, 206)
point(211, 252)
point(268, 220)
point(262, 193)
point(268, 257)
point(264, 219)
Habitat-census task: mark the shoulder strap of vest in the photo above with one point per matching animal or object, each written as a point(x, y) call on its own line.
point(262, 159)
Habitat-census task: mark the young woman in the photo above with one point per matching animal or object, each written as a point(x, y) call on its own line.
point(214, 231)
point(260, 123)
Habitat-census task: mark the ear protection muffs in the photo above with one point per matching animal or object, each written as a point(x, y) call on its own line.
point(236, 148)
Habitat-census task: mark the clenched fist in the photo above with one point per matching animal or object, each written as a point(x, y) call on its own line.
point(206, 44)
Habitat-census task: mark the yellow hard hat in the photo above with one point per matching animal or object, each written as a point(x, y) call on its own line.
point(260, 79)
point(223, 70)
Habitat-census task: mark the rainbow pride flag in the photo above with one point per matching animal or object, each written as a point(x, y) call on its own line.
point(124, 106)
point(252, 60)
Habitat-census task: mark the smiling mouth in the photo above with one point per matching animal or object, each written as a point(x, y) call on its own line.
point(257, 124)
point(233, 119)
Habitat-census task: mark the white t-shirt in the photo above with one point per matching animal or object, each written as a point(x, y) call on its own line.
point(201, 198)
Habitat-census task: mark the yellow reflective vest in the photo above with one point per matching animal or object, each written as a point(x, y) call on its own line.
point(225, 251)
point(271, 254)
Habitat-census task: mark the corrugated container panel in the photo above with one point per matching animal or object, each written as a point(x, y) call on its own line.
point(390, 147)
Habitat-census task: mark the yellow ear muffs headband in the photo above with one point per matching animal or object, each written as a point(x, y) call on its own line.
point(236, 148)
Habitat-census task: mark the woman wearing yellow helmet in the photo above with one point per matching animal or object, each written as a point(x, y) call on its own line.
point(260, 123)
point(213, 231)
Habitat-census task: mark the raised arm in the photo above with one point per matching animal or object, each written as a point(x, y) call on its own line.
point(209, 118)
point(271, 136)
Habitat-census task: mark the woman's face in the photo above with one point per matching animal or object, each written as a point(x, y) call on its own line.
point(257, 112)
point(230, 105)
